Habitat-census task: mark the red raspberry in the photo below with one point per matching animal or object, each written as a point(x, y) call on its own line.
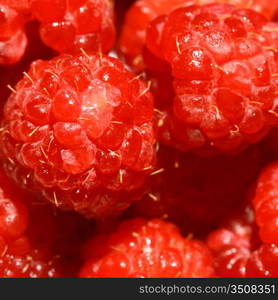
point(11, 74)
point(238, 252)
point(35, 239)
point(265, 204)
point(28, 265)
point(146, 249)
point(197, 193)
point(67, 26)
point(13, 214)
point(142, 12)
point(224, 63)
point(80, 130)
point(137, 19)
point(232, 244)
point(13, 40)
point(18, 258)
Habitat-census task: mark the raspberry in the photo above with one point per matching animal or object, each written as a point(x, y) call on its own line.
point(35, 239)
point(142, 12)
point(146, 249)
point(80, 130)
point(238, 252)
point(265, 204)
point(27, 266)
point(137, 19)
point(11, 74)
point(13, 214)
point(18, 258)
point(197, 193)
point(224, 64)
point(13, 40)
point(67, 26)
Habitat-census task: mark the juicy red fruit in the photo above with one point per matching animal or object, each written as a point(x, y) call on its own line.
point(265, 204)
point(67, 26)
point(80, 130)
point(13, 214)
point(142, 12)
point(238, 251)
point(19, 258)
point(145, 249)
point(224, 64)
point(13, 40)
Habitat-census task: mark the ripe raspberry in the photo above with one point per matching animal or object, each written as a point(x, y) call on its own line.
point(142, 12)
point(224, 64)
point(146, 249)
point(11, 74)
point(238, 252)
point(197, 193)
point(80, 130)
point(29, 265)
point(13, 40)
point(137, 19)
point(265, 204)
point(18, 258)
point(67, 26)
point(13, 214)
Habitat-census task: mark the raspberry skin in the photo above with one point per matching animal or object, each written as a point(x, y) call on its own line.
point(224, 63)
point(146, 249)
point(196, 193)
point(142, 12)
point(238, 251)
point(265, 204)
point(79, 129)
point(67, 26)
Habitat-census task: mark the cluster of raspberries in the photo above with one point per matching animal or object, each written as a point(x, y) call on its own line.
point(151, 155)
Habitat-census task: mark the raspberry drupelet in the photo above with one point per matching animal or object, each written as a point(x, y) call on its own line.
point(79, 129)
point(265, 204)
point(196, 193)
point(224, 65)
point(142, 12)
point(146, 249)
point(238, 252)
point(68, 25)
